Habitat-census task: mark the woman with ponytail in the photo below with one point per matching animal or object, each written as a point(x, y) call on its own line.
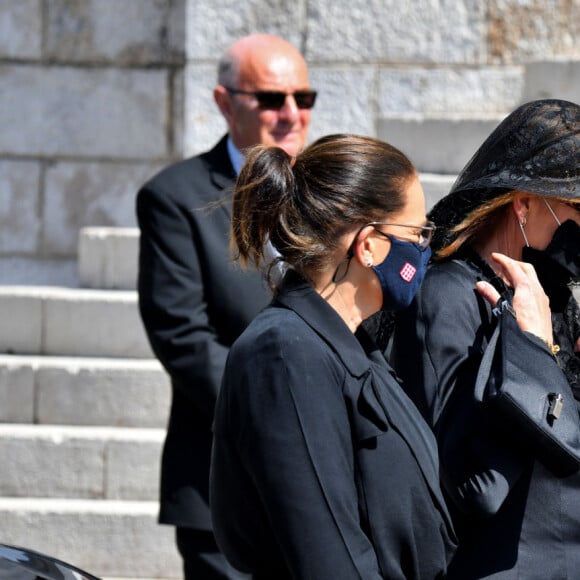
point(322, 467)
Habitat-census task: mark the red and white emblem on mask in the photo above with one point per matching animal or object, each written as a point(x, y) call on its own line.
point(407, 272)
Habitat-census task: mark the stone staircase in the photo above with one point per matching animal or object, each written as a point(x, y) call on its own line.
point(83, 407)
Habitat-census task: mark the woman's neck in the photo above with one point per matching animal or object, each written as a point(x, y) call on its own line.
point(505, 238)
point(341, 297)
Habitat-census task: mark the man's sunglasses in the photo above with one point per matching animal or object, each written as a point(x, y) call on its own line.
point(274, 100)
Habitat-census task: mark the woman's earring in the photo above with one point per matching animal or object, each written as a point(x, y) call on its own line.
point(368, 262)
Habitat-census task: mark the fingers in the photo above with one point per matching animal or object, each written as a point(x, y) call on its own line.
point(516, 272)
point(529, 300)
point(488, 292)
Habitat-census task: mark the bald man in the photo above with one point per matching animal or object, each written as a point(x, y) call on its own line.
point(194, 301)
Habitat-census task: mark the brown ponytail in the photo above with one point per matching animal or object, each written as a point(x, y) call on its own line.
point(304, 206)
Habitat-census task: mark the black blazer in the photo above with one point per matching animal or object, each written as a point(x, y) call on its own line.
point(194, 303)
point(322, 467)
point(515, 517)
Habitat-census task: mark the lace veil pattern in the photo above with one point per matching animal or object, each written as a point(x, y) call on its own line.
point(535, 149)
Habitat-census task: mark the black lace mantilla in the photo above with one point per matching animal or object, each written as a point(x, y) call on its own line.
point(535, 149)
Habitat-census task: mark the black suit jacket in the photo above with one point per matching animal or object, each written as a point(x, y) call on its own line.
point(194, 302)
point(322, 467)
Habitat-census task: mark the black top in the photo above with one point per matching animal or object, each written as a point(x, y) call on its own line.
point(322, 467)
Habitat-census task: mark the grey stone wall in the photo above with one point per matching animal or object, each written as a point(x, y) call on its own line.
point(87, 92)
point(96, 95)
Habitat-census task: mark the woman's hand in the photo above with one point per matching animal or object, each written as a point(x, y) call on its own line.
point(530, 302)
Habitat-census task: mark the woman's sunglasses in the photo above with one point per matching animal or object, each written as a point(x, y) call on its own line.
point(274, 100)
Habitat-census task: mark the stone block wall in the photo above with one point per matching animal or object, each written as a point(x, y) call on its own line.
point(96, 95)
point(86, 115)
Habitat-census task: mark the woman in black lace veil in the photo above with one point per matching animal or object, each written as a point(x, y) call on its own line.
point(517, 516)
point(541, 157)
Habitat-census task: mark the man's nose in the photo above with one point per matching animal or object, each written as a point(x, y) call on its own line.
point(289, 109)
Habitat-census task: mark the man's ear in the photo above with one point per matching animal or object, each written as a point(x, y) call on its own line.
point(224, 102)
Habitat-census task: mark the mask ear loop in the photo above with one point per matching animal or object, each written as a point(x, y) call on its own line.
point(552, 211)
point(335, 277)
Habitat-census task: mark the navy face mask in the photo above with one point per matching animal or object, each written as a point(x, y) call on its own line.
point(401, 273)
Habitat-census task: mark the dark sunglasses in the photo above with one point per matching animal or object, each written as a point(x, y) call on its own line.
point(274, 100)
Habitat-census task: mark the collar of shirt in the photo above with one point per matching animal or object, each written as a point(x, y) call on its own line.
point(236, 156)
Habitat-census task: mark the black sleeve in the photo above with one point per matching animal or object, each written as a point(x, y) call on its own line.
point(479, 467)
point(171, 299)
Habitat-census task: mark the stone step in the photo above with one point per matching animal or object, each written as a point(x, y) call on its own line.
point(107, 258)
point(71, 321)
point(438, 144)
point(80, 462)
point(83, 391)
point(38, 271)
point(552, 79)
point(435, 186)
point(112, 539)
